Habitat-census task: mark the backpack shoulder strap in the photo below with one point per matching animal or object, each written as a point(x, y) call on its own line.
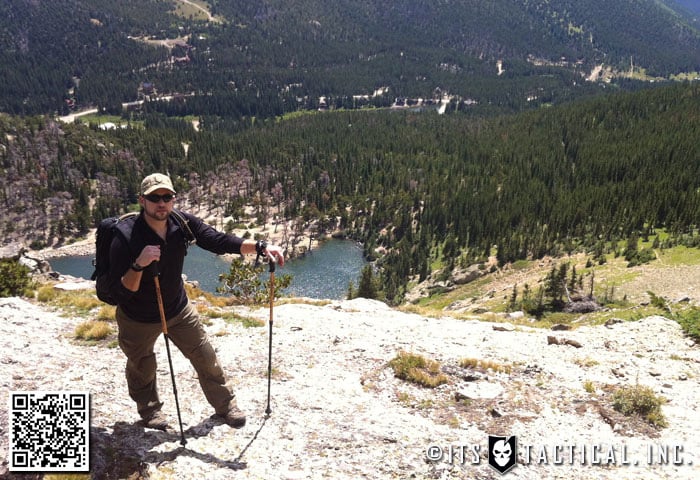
point(125, 227)
point(128, 215)
point(107, 230)
point(184, 225)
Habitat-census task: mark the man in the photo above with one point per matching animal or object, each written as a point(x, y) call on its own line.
point(158, 241)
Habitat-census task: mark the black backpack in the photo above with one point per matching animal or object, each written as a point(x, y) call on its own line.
point(122, 226)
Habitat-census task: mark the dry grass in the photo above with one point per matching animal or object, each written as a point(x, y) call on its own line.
point(77, 300)
point(106, 313)
point(485, 365)
point(93, 330)
point(417, 369)
point(211, 299)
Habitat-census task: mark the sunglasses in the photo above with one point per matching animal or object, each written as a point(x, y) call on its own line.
point(155, 198)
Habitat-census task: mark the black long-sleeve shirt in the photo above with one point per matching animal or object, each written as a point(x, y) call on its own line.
point(142, 305)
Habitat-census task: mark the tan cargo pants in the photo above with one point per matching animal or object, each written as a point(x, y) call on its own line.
point(137, 339)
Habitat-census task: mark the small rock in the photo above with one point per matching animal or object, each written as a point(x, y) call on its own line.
point(560, 327)
point(479, 390)
point(617, 372)
point(503, 328)
point(459, 397)
point(613, 321)
point(563, 341)
point(75, 285)
point(573, 343)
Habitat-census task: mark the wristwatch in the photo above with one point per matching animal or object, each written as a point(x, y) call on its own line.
point(260, 247)
point(136, 267)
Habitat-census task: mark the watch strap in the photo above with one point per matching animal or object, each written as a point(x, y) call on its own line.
point(136, 267)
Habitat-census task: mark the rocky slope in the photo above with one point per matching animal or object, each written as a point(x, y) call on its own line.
point(338, 411)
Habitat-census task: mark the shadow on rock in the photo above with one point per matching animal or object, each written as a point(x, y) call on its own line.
point(125, 452)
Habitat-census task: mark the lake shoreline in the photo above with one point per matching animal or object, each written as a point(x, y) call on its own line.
point(323, 273)
point(272, 233)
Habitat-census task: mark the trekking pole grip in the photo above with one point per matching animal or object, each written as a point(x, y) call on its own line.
point(159, 297)
point(153, 269)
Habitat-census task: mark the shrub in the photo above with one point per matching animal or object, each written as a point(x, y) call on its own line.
point(245, 283)
point(658, 302)
point(642, 401)
point(689, 321)
point(14, 278)
point(417, 369)
point(641, 257)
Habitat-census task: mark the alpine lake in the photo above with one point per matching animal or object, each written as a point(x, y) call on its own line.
point(323, 273)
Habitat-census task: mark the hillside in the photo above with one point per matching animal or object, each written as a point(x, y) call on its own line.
point(692, 6)
point(423, 192)
point(338, 410)
point(268, 58)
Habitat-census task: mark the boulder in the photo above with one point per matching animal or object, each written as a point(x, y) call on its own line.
point(463, 277)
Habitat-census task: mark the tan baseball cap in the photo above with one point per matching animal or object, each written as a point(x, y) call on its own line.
point(155, 181)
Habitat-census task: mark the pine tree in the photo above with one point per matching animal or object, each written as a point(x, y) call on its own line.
point(367, 287)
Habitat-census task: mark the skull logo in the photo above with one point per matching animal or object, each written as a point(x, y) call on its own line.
point(502, 453)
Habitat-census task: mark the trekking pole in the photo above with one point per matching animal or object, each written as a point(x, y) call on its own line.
point(268, 410)
point(164, 324)
point(271, 263)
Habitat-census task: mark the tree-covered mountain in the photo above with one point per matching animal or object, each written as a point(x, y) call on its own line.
point(268, 57)
point(426, 187)
point(431, 189)
point(692, 6)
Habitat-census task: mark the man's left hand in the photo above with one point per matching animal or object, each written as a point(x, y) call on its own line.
point(276, 254)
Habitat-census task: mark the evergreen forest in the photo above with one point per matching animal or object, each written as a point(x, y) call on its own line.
point(267, 58)
point(431, 189)
point(436, 133)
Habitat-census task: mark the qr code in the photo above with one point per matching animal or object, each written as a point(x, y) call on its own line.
point(49, 431)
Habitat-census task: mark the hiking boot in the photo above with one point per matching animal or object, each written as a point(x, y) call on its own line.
point(157, 420)
point(234, 417)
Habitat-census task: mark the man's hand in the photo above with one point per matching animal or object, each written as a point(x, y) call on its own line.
point(149, 254)
point(276, 254)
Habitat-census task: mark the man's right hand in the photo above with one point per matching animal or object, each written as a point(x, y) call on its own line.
point(149, 254)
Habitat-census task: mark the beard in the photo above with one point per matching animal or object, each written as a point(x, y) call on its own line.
point(158, 213)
